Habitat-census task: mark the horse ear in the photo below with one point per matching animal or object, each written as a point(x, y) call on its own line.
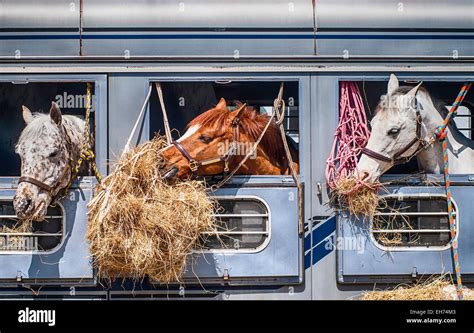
point(55, 113)
point(392, 84)
point(414, 90)
point(237, 113)
point(27, 115)
point(222, 104)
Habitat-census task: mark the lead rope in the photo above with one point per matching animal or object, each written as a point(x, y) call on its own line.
point(86, 153)
point(279, 110)
point(254, 146)
point(279, 115)
point(441, 134)
point(126, 148)
point(166, 123)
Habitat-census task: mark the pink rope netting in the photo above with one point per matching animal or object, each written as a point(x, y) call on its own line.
point(350, 137)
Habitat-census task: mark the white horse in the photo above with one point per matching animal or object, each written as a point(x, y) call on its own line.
point(395, 137)
point(48, 147)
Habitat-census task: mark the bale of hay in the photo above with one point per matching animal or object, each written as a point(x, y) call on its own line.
point(139, 225)
point(359, 198)
point(433, 289)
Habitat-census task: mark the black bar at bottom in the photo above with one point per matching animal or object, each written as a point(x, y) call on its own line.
point(245, 315)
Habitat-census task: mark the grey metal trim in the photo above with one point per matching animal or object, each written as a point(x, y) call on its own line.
point(263, 233)
point(393, 14)
point(30, 14)
point(409, 231)
point(422, 75)
point(414, 213)
point(31, 234)
point(236, 215)
point(244, 68)
point(14, 216)
point(268, 228)
point(29, 252)
point(241, 59)
point(123, 15)
point(416, 248)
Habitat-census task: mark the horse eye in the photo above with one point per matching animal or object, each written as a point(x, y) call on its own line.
point(205, 138)
point(393, 131)
point(54, 154)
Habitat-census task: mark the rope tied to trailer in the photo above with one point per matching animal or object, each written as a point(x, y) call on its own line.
point(441, 135)
point(279, 112)
point(278, 116)
point(86, 152)
point(278, 104)
point(166, 123)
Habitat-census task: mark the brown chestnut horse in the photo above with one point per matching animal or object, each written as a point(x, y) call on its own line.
point(218, 139)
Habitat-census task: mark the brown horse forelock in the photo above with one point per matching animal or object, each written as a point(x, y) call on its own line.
point(251, 124)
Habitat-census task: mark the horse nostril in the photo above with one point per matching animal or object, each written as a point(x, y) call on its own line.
point(24, 204)
point(171, 173)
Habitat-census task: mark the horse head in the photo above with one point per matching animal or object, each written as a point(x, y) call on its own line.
point(46, 149)
point(396, 131)
point(218, 139)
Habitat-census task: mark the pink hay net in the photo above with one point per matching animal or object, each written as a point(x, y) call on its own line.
point(350, 137)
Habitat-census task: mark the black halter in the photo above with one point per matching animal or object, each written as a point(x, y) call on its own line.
point(398, 158)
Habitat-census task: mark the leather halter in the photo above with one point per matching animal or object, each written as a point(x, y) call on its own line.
point(52, 190)
point(36, 182)
point(398, 158)
point(194, 165)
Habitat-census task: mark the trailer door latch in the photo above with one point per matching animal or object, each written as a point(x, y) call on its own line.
point(226, 274)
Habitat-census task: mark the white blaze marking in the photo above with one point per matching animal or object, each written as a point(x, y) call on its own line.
point(165, 149)
point(193, 129)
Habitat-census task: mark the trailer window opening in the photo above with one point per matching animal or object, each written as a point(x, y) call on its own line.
point(37, 96)
point(242, 224)
point(463, 121)
point(42, 237)
point(444, 93)
point(412, 222)
point(184, 101)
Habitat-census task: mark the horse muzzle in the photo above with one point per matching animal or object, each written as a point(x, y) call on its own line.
point(170, 173)
point(369, 170)
point(24, 206)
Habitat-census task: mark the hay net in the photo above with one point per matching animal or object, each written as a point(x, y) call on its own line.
point(141, 226)
point(352, 134)
point(347, 190)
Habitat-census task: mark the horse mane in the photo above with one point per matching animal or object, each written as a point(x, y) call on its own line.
point(252, 124)
point(42, 123)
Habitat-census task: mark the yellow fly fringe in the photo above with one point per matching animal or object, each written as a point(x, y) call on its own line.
point(139, 225)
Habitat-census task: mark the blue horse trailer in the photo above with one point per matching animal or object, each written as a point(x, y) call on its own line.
point(200, 51)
